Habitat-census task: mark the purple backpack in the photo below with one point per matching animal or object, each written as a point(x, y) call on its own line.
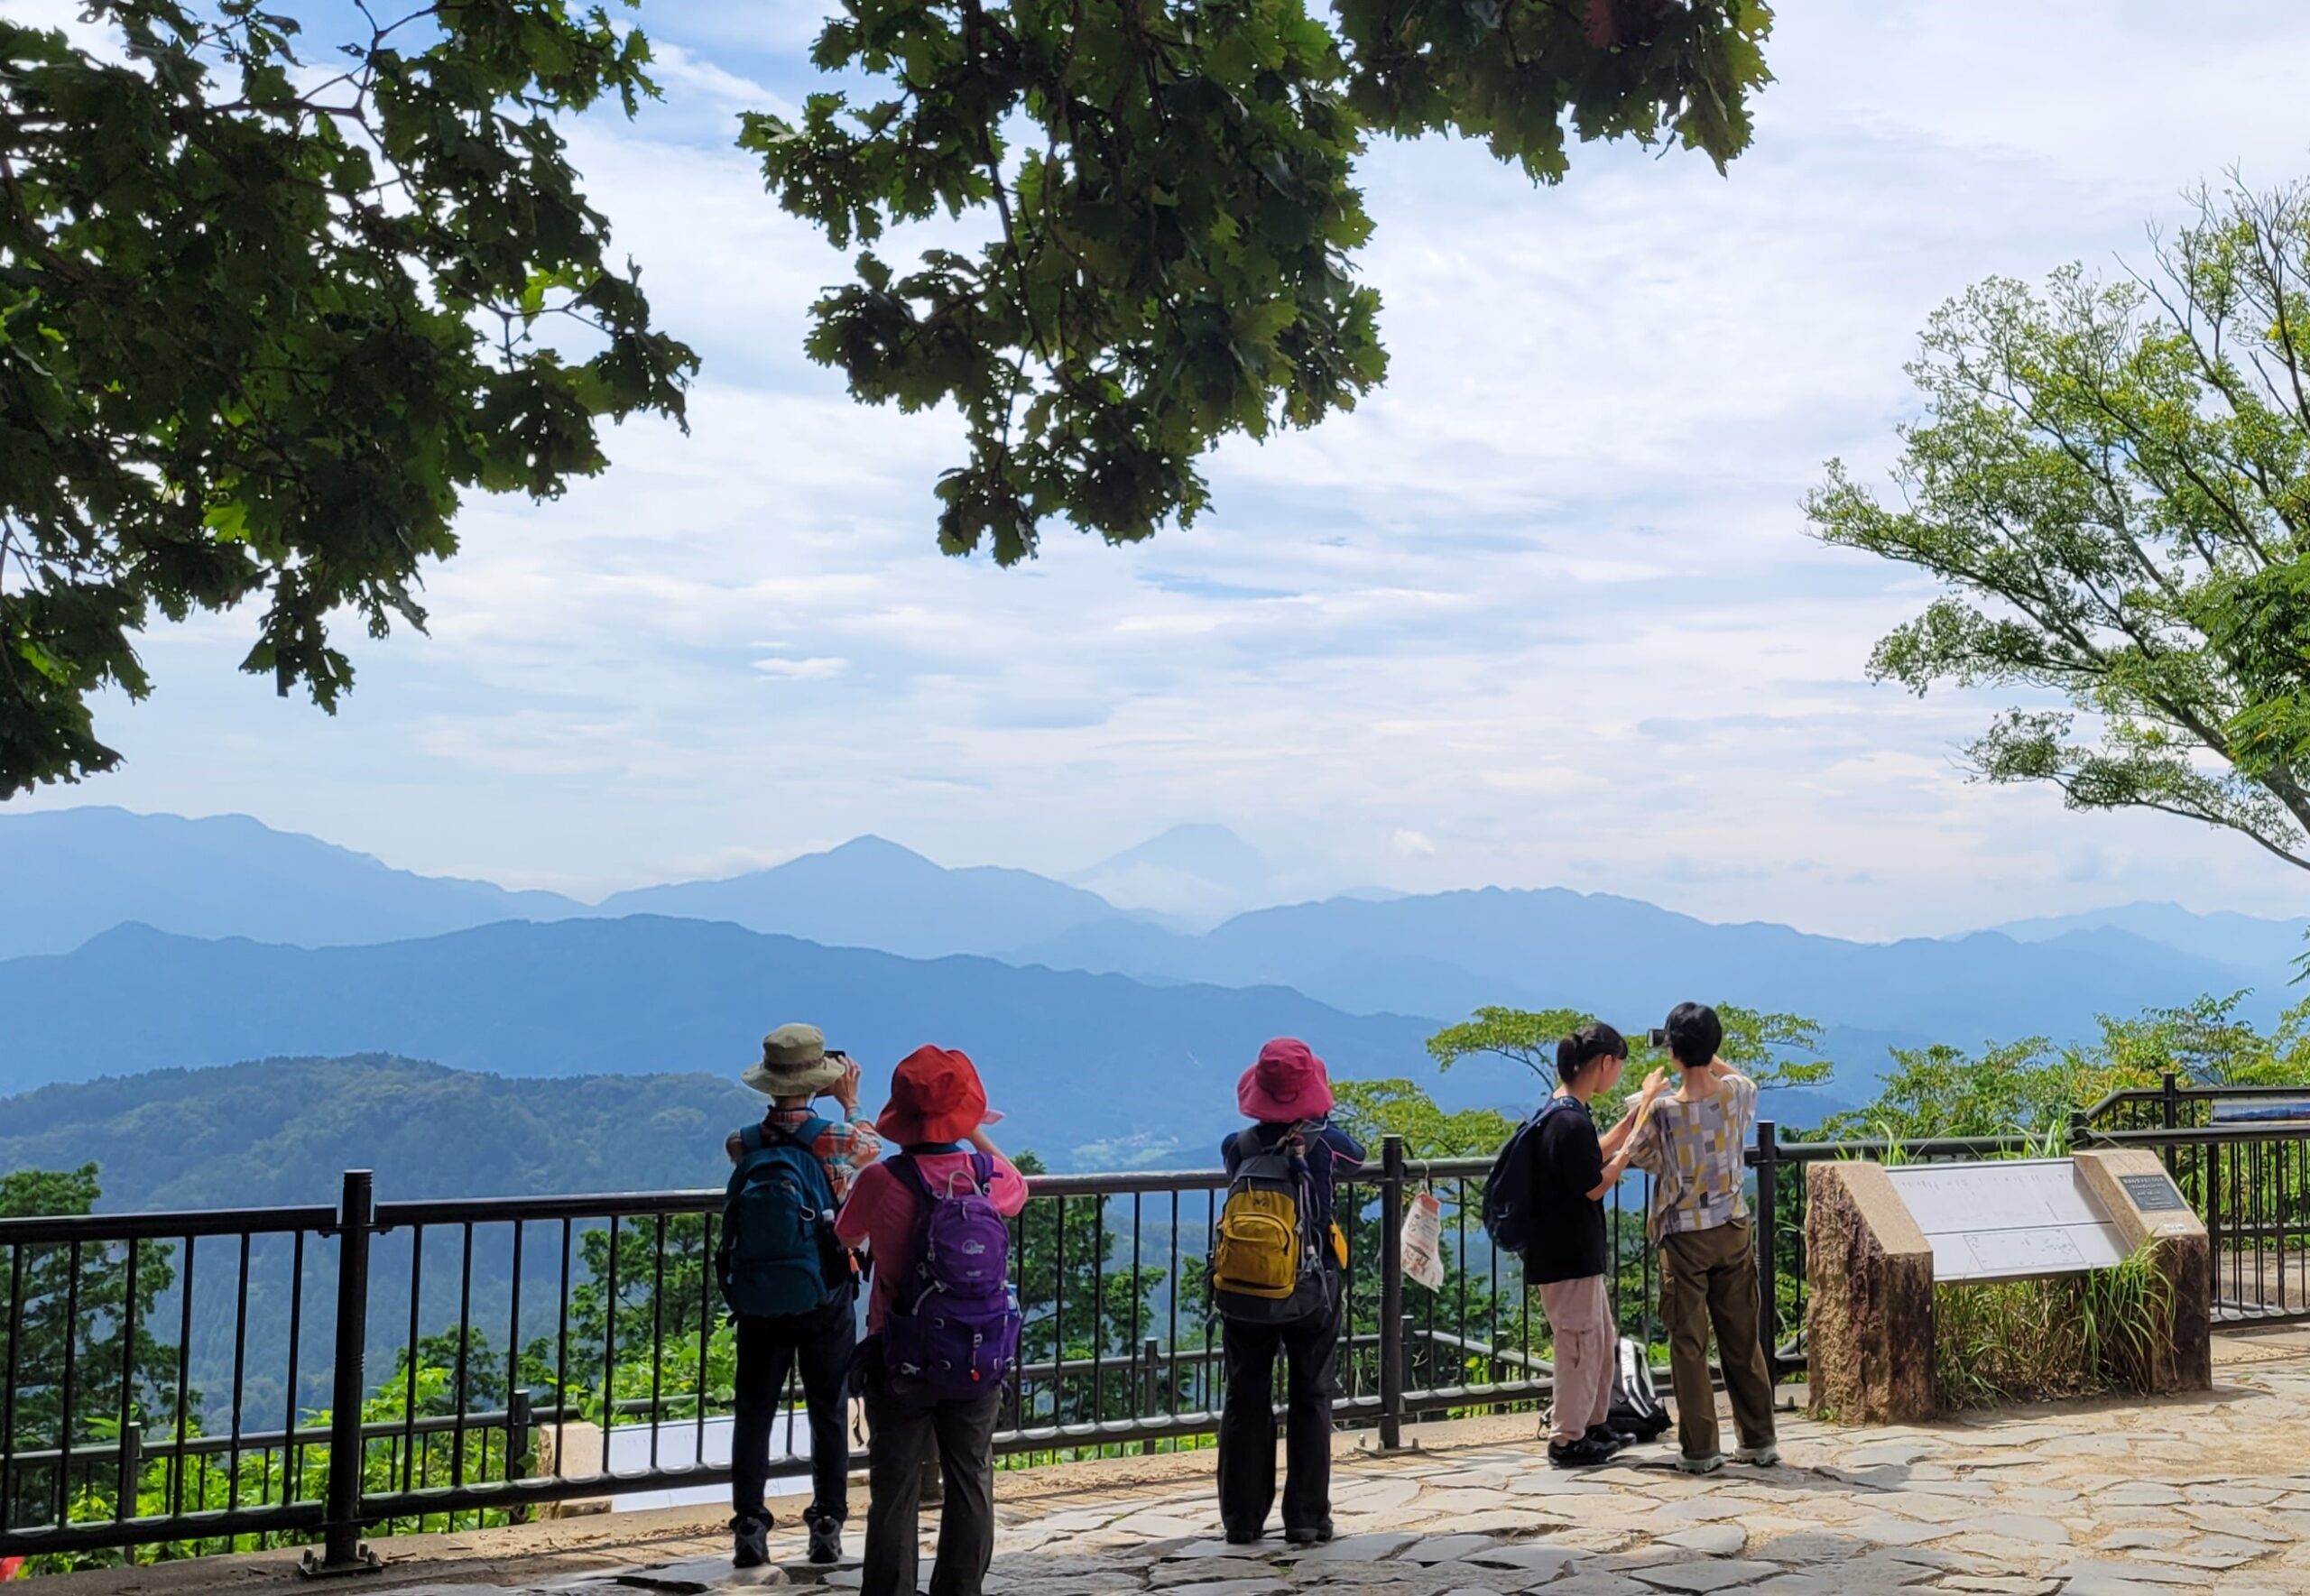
point(954, 1324)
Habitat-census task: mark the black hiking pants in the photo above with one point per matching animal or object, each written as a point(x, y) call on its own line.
point(1310, 1352)
point(820, 1344)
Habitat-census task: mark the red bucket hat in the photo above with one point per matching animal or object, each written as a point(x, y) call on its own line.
point(935, 1095)
point(1288, 1082)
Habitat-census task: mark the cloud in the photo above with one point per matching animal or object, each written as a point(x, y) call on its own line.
point(818, 669)
point(1541, 611)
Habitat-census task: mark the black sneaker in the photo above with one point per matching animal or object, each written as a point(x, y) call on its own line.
point(1605, 1435)
point(1309, 1535)
point(752, 1534)
point(825, 1538)
point(1243, 1537)
point(1583, 1453)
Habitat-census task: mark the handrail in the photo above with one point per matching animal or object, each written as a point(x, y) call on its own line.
point(1098, 1377)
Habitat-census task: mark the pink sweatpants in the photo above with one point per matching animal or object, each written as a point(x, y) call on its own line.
point(1580, 1316)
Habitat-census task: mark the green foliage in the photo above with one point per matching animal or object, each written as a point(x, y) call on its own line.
point(2069, 1335)
point(2110, 482)
point(1082, 1298)
point(2015, 1089)
point(1170, 182)
point(1370, 1110)
point(2028, 1088)
point(263, 324)
point(1757, 1044)
point(83, 1315)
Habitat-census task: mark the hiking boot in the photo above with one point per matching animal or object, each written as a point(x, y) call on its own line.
point(1605, 1435)
point(752, 1536)
point(1583, 1453)
point(1243, 1537)
point(826, 1539)
point(1763, 1457)
point(1315, 1535)
point(1701, 1465)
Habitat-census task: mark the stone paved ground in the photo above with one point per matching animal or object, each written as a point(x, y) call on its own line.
point(2204, 1494)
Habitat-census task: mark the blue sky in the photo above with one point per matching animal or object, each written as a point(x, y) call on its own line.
point(1543, 612)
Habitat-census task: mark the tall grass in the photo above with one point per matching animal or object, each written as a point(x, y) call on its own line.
point(2071, 1335)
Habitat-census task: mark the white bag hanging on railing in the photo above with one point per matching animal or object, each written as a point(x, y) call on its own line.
point(1423, 1242)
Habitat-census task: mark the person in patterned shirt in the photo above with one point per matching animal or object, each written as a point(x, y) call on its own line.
point(795, 1070)
point(1693, 1143)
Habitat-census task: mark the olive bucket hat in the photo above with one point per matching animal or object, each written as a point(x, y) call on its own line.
point(794, 1063)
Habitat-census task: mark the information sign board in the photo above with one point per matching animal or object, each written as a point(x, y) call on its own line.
point(2008, 1221)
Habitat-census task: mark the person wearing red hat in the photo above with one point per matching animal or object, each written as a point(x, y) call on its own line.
point(936, 1117)
point(1289, 1092)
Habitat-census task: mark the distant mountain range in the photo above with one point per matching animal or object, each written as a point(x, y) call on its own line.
point(66, 874)
point(1080, 1061)
point(148, 941)
point(1447, 953)
point(2242, 942)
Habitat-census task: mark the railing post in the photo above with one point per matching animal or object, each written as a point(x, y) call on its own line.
point(2080, 1128)
point(132, 1469)
point(1392, 1292)
point(2173, 1107)
point(1767, 1245)
point(342, 1551)
point(1151, 1400)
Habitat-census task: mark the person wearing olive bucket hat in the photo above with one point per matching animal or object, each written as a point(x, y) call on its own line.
point(1275, 1274)
point(790, 1285)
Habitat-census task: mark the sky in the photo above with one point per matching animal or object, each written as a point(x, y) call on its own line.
point(1542, 612)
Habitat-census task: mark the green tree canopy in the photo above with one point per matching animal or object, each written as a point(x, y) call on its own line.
point(264, 321)
point(1758, 1044)
point(269, 309)
point(2111, 481)
point(1171, 186)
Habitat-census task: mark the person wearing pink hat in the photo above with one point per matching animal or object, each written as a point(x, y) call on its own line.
point(1289, 1095)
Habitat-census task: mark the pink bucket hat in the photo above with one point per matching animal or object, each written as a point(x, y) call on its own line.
point(1288, 1082)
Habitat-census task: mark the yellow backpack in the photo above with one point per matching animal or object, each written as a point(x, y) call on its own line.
point(1265, 1267)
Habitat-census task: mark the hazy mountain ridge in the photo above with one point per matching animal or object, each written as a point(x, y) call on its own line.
point(894, 950)
point(67, 875)
point(1075, 1058)
point(1447, 953)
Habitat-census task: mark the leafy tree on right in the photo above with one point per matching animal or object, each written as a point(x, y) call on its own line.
point(2113, 481)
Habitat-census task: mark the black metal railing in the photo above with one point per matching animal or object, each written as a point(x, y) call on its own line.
point(190, 1382)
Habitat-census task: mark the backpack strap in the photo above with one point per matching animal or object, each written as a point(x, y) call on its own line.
point(751, 1139)
point(905, 1170)
point(804, 1135)
point(983, 1172)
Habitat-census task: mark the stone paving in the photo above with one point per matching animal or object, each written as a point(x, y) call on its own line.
point(2208, 1493)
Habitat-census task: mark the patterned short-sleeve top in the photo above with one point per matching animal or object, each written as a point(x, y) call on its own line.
point(1695, 1153)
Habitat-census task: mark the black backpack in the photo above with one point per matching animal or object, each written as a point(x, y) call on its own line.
point(1507, 1190)
point(1637, 1409)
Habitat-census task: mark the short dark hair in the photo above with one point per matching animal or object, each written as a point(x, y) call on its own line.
point(1694, 1034)
point(1583, 1048)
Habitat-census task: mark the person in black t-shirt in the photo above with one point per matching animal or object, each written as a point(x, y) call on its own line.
point(1568, 1256)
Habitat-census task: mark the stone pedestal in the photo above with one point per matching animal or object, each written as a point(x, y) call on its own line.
point(2142, 1202)
point(573, 1451)
point(1869, 1305)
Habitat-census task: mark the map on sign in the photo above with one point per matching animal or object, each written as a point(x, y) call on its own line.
point(2008, 1221)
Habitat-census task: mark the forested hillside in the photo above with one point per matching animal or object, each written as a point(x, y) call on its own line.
point(283, 1129)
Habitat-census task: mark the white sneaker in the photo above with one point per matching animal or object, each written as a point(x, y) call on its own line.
point(1701, 1465)
point(1763, 1457)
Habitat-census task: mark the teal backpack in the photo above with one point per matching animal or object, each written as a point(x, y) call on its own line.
point(777, 1255)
